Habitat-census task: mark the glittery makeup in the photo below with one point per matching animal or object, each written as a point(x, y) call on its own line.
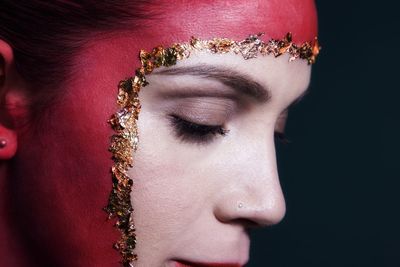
point(124, 122)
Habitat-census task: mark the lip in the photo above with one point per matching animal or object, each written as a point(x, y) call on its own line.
point(182, 263)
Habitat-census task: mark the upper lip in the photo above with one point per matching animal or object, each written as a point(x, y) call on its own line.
point(210, 264)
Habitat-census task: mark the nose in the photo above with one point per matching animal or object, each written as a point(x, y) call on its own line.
point(253, 193)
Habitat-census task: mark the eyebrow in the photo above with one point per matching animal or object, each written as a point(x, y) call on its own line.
point(240, 83)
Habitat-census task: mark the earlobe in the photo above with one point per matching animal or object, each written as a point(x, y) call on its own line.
point(8, 143)
point(12, 102)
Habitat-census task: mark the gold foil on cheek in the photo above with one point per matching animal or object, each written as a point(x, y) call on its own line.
point(125, 140)
point(123, 145)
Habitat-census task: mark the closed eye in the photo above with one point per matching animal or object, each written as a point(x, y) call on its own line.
point(191, 132)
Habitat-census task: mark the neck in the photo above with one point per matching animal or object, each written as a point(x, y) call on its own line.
point(12, 251)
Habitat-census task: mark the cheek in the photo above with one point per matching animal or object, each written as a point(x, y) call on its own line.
point(163, 196)
point(65, 176)
point(162, 178)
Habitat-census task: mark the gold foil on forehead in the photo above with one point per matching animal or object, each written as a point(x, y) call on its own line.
point(125, 140)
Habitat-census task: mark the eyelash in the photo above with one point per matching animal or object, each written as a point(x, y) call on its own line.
point(192, 132)
point(281, 138)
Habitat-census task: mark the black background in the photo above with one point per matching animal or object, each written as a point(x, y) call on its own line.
point(340, 174)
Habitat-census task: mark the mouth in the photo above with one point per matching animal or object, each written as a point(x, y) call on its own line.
point(180, 263)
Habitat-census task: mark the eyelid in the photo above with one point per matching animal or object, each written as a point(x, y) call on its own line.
point(198, 120)
point(281, 137)
point(193, 133)
point(193, 121)
point(281, 121)
point(202, 110)
point(279, 133)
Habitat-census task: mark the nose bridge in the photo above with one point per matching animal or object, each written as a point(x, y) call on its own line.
point(256, 193)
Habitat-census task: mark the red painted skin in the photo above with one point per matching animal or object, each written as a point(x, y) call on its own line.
point(232, 19)
point(62, 181)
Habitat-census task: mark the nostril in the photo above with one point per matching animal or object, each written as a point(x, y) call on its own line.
point(261, 215)
point(246, 223)
point(251, 214)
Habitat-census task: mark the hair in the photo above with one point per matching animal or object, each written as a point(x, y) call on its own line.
point(45, 35)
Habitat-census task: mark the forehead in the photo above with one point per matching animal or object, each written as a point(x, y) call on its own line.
point(177, 21)
point(167, 22)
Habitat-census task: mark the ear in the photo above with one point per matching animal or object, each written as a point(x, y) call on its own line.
point(13, 102)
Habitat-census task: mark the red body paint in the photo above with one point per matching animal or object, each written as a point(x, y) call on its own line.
point(234, 19)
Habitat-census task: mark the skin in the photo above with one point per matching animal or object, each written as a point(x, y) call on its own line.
point(200, 187)
point(190, 199)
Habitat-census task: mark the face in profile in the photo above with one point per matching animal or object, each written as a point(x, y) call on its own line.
point(205, 169)
point(210, 163)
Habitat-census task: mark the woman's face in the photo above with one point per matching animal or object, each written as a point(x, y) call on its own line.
point(197, 190)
